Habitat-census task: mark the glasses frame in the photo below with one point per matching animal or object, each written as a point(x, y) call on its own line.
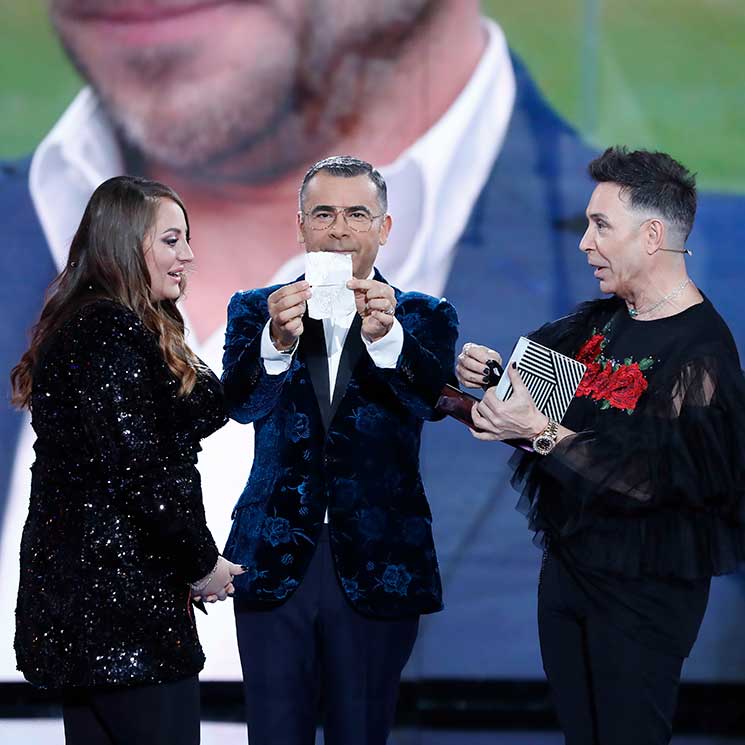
point(341, 211)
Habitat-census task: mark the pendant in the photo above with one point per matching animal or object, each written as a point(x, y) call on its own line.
point(633, 312)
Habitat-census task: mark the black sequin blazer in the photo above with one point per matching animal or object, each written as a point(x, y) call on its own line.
point(116, 527)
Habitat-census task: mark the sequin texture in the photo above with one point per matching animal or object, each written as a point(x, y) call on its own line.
point(116, 527)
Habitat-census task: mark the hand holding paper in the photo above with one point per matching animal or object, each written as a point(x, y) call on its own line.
point(376, 303)
point(286, 310)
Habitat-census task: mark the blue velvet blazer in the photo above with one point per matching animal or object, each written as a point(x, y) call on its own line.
point(357, 455)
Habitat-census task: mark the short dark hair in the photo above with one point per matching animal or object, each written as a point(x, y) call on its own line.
point(346, 166)
point(653, 181)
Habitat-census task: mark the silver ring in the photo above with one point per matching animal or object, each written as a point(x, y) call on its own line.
point(390, 311)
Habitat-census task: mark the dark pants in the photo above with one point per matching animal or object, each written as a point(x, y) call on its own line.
point(608, 689)
point(315, 648)
point(162, 714)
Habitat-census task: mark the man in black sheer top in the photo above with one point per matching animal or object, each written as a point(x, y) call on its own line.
point(638, 495)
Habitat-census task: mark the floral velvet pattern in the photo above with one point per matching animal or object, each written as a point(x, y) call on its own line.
point(363, 468)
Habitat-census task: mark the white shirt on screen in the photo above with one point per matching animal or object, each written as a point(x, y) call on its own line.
point(432, 188)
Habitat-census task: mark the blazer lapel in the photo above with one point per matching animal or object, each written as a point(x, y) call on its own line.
point(313, 347)
point(313, 352)
point(350, 355)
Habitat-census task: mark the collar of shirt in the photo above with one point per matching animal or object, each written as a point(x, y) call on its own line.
point(78, 154)
point(431, 191)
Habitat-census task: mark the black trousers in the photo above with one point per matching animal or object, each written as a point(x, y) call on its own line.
point(162, 714)
point(315, 649)
point(608, 689)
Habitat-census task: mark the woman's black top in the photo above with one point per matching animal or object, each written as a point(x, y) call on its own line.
point(647, 501)
point(116, 528)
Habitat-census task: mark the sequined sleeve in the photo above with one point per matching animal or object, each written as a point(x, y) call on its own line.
point(122, 394)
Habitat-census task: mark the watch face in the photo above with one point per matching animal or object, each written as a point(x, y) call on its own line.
point(543, 445)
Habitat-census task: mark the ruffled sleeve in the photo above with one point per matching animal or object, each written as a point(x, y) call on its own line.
point(659, 492)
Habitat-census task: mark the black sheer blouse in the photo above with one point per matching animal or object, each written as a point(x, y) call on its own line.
point(116, 527)
point(651, 488)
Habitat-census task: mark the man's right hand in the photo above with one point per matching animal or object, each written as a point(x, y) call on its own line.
point(471, 369)
point(286, 309)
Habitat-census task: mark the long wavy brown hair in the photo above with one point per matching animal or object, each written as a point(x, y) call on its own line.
point(107, 261)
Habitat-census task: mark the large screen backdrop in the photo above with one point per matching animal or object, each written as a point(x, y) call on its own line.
point(588, 73)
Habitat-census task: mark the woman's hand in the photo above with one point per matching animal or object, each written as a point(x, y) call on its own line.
point(516, 419)
point(471, 369)
point(218, 584)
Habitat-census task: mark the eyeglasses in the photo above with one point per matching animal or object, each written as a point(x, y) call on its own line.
point(358, 219)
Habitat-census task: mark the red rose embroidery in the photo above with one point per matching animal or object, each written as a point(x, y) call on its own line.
point(600, 386)
point(586, 385)
point(590, 349)
point(625, 387)
point(613, 384)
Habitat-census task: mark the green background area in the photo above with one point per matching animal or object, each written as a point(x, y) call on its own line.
point(661, 74)
point(664, 74)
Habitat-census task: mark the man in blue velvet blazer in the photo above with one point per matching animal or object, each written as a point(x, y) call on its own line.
point(333, 526)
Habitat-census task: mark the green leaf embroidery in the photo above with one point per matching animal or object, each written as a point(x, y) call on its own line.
point(646, 363)
point(605, 405)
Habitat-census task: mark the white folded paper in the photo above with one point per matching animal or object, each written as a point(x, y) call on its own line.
point(328, 274)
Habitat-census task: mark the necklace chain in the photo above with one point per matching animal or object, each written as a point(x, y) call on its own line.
point(633, 312)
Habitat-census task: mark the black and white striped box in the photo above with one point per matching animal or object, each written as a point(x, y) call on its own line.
point(552, 378)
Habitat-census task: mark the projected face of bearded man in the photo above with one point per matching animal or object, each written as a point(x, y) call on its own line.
point(240, 87)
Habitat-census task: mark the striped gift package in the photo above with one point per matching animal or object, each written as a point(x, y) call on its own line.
point(552, 378)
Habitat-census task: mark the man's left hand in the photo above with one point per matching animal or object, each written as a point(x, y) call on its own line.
point(515, 419)
point(376, 304)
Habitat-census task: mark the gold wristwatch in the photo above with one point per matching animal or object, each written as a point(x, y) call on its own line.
point(545, 442)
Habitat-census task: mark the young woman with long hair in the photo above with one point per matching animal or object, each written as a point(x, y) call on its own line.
point(115, 546)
